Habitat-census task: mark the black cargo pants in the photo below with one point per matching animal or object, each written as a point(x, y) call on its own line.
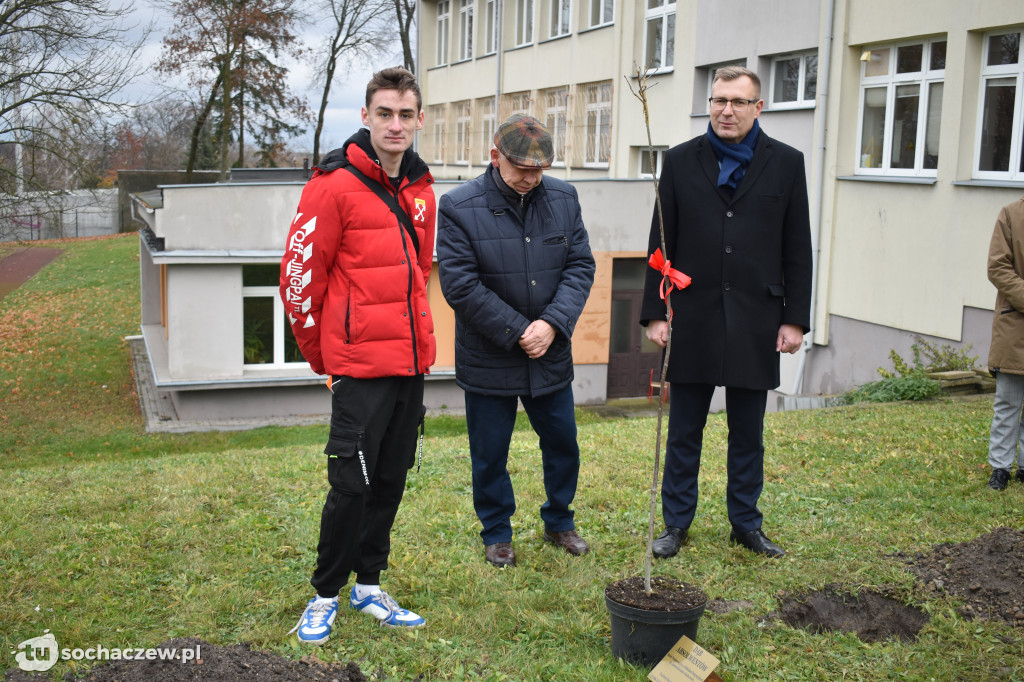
point(370, 449)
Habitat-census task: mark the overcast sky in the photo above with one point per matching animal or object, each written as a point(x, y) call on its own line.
point(342, 116)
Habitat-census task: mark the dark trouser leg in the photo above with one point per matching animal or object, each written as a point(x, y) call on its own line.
point(397, 454)
point(489, 421)
point(688, 413)
point(745, 464)
point(370, 448)
point(553, 417)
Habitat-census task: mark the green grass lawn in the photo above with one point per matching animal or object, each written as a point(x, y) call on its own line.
point(111, 536)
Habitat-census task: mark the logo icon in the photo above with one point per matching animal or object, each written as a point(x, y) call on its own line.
point(38, 654)
point(421, 210)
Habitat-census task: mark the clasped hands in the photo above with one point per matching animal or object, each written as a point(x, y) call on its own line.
point(537, 339)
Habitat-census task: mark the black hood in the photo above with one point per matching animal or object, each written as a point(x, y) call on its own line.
point(412, 166)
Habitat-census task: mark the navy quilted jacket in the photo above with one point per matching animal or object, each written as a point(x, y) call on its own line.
point(500, 272)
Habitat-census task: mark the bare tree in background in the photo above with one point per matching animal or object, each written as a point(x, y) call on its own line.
point(405, 10)
point(359, 31)
point(63, 67)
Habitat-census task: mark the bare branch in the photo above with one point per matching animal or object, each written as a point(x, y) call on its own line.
point(64, 65)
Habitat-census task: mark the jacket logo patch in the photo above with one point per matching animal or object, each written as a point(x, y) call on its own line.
point(421, 210)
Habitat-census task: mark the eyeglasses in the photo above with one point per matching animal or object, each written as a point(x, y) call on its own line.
point(738, 105)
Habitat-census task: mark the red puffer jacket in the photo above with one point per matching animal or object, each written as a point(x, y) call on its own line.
point(353, 287)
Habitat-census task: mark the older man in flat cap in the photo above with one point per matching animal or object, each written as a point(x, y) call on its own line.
point(515, 265)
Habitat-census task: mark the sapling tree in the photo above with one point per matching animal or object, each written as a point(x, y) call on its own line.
point(671, 279)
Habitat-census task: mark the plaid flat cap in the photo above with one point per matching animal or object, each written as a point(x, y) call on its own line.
point(525, 142)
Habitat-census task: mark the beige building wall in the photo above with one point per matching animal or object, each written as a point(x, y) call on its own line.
point(902, 252)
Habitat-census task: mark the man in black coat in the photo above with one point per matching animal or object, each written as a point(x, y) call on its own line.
point(736, 221)
point(515, 265)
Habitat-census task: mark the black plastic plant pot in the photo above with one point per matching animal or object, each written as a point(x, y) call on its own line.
point(642, 637)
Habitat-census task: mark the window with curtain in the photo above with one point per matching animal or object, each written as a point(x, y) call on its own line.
point(524, 22)
point(794, 81)
point(659, 34)
point(444, 8)
point(465, 29)
point(558, 18)
point(490, 27)
point(1000, 139)
point(602, 13)
point(901, 89)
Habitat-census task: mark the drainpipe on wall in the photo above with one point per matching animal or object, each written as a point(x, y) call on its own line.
point(498, 11)
point(419, 64)
point(818, 191)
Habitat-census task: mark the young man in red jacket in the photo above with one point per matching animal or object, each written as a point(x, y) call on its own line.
point(353, 280)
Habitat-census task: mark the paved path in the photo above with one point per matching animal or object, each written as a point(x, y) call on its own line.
point(21, 264)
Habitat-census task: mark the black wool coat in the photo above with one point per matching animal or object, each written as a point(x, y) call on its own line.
point(749, 257)
point(499, 272)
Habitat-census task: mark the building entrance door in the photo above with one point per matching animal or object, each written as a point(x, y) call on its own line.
point(631, 357)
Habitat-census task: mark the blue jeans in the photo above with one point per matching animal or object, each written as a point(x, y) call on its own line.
point(490, 420)
point(1006, 440)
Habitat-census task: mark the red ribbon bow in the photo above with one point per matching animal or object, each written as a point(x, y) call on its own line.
point(669, 275)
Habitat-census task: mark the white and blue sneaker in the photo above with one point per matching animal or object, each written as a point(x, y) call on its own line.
point(381, 606)
point(314, 627)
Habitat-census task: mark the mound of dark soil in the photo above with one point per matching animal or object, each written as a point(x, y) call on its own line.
point(667, 594)
point(235, 662)
point(872, 616)
point(987, 573)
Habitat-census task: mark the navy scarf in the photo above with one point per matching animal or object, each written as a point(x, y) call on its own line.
point(734, 158)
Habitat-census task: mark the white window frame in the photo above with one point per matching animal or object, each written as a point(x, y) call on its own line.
point(559, 18)
point(891, 82)
point(801, 101)
point(601, 111)
point(525, 12)
point(557, 122)
point(659, 161)
point(665, 13)
point(597, 11)
point(437, 115)
point(488, 124)
point(465, 30)
point(1006, 72)
point(490, 27)
point(280, 325)
point(444, 8)
point(463, 130)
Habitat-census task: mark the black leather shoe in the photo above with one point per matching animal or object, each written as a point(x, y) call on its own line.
point(668, 543)
point(999, 479)
point(756, 541)
point(1020, 474)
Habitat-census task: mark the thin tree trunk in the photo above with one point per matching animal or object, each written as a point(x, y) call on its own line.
point(241, 128)
point(225, 131)
point(332, 64)
point(197, 129)
point(404, 26)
